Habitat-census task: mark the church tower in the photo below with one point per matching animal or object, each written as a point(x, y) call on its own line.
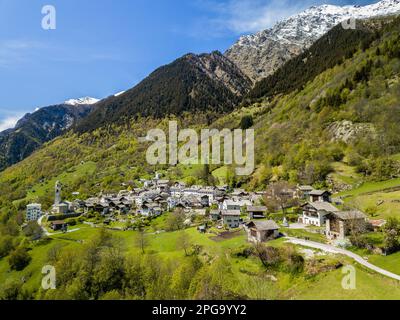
point(57, 198)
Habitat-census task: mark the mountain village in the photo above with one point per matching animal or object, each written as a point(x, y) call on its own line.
point(207, 206)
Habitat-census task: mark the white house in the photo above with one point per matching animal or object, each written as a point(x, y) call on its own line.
point(231, 218)
point(314, 213)
point(235, 204)
point(33, 212)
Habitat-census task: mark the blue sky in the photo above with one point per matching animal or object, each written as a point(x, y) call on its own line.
point(101, 47)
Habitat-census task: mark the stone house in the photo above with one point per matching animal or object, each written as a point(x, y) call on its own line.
point(320, 196)
point(314, 213)
point(231, 218)
point(340, 224)
point(215, 215)
point(256, 212)
point(260, 231)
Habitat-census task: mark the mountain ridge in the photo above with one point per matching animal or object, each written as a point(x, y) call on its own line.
point(191, 83)
point(259, 55)
point(36, 128)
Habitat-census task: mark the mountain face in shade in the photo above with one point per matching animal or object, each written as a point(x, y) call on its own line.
point(192, 83)
point(34, 129)
point(261, 54)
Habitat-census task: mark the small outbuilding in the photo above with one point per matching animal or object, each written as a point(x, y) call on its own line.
point(260, 231)
point(59, 225)
point(256, 212)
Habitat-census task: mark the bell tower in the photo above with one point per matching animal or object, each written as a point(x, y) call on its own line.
point(57, 198)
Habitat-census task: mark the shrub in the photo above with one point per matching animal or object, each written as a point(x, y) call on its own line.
point(246, 122)
point(243, 252)
point(19, 259)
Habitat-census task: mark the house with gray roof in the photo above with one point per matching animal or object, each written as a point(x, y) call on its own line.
point(260, 231)
point(340, 224)
point(231, 218)
point(314, 213)
point(256, 212)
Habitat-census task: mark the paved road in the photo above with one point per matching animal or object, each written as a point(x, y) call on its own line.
point(332, 249)
point(47, 234)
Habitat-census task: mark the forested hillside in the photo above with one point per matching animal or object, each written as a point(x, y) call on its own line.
point(330, 50)
point(298, 135)
point(194, 83)
point(342, 114)
point(36, 128)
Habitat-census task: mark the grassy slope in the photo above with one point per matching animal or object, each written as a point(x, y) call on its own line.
point(323, 286)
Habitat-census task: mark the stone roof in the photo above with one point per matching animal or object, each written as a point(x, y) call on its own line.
point(318, 192)
point(230, 212)
point(265, 225)
point(349, 215)
point(305, 188)
point(322, 205)
point(256, 208)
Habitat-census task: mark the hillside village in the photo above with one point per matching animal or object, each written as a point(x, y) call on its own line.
point(320, 206)
point(210, 206)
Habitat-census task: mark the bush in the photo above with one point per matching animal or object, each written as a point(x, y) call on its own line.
point(292, 217)
point(293, 261)
point(19, 259)
point(243, 252)
point(71, 221)
point(6, 245)
point(33, 230)
point(246, 122)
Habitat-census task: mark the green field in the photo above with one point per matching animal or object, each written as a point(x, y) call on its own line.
point(325, 285)
point(68, 177)
point(369, 187)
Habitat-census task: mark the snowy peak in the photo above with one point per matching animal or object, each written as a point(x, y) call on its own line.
point(81, 101)
point(260, 54)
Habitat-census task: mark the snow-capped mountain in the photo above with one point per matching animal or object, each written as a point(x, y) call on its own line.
point(260, 54)
point(81, 101)
point(38, 127)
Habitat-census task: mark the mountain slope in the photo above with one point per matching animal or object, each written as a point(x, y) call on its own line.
point(348, 113)
point(43, 125)
point(259, 55)
point(328, 51)
point(193, 83)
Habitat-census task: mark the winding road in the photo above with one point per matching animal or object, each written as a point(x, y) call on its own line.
point(332, 249)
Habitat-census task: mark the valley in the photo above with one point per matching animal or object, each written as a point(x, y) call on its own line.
point(324, 106)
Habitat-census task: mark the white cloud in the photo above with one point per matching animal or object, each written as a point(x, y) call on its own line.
point(249, 16)
point(9, 122)
point(14, 52)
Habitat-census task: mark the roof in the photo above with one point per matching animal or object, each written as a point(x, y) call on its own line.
point(240, 203)
point(305, 188)
point(214, 211)
point(256, 208)
point(378, 223)
point(318, 192)
point(230, 212)
point(265, 225)
point(58, 222)
point(322, 205)
point(34, 205)
point(62, 204)
point(349, 215)
point(163, 181)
